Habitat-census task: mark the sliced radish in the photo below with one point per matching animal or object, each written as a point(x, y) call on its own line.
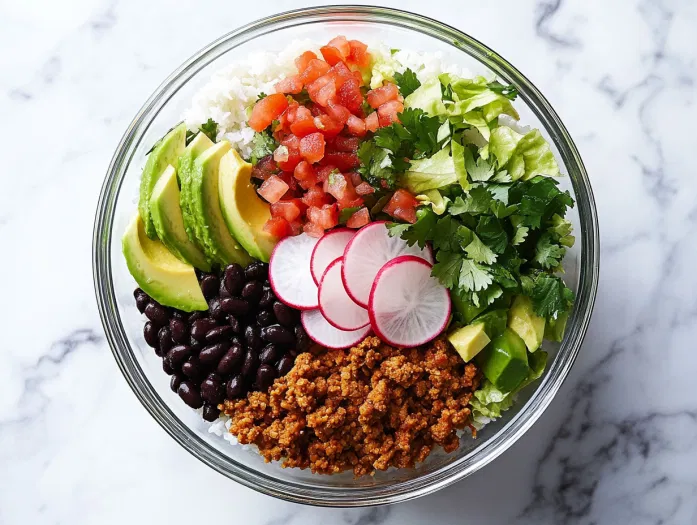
point(336, 306)
point(321, 332)
point(289, 272)
point(367, 252)
point(408, 307)
point(328, 248)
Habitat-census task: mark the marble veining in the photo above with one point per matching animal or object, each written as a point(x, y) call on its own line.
point(617, 446)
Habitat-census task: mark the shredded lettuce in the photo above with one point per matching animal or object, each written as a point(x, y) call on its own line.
point(432, 173)
point(523, 156)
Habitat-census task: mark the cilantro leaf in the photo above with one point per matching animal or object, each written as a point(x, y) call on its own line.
point(419, 232)
point(520, 234)
point(503, 276)
point(449, 234)
point(479, 170)
point(376, 166)
point(263, 144)
point(423, 131)
point(492, 233)
point(548, 254)
point(508, 91)
point(189, 137)
point(538, 199)
point(210, 129)
point(480, 252)
point(550, 296)
point(473, 276)
point(407, 82)
point(478, 201)
point(447, 269)
point(488, 296)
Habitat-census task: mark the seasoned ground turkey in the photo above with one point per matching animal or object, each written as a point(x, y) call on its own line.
point(368, 408)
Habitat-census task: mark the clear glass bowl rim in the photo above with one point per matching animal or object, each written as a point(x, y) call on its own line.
point(347, 496)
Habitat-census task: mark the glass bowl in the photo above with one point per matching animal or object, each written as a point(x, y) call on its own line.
point(123, 324)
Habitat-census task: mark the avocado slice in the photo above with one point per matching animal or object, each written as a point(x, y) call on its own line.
point(244, 212)
point(198, 145)
point(166, 214)
point(166, 152)
point(159, 273)
point(211, 231)
point(505, 361)
point(528, 325)
point(494, 322)
point(555, 328)
point(469, 340)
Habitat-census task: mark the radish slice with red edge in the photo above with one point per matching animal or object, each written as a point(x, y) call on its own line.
point(408, 307)
point(367, 252)
point(289, 272)
point(329, 248)
point(335, 304)
point(321, 332)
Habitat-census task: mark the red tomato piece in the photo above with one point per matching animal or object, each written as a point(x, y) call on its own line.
point(296, 227)
point(313, 230)
point(356, 126)
point(402, 205)
point(315, 69)
point(266, 110)
point(331, 54)
point(328, 126)
point(389, 112)
point(347, 144)
point(359, 219)
point(304, 171)
point(312, 147)
point(349, 95)
point(405, 214)
point(378, 97)
point(359, 53)
point(304, 60)
point(273, 189)
point(288, 210)
point(324, 171)
point(322, 90)
point(341, 73)
point(342, 160)
point(355, 178)
point(372, 122)
point(341, 44)
point(339, 113)
point(317, 197)
point(325, 217)
point(337, 186)
point(364, 189)
point(289, 85)
point(304, 126)
point(359, 77)
point(264, 168)
point(278, 227)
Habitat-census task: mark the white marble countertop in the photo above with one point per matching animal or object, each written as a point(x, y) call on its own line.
point(619, 443)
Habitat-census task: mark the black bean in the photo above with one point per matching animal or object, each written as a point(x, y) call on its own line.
point(284, 365)
point(214, 377)
point(138, 292)
point(234, 306)
point(210, 355)
point(267, 297)
point(150, 334)
point(178, 355)
point(257, 271)
point(209, 286)
point(190, 394)
point(269, 354)
point(293, 352)
point(192, 369)
point(216, 312)
point(212, 391)
point(156, 313)
point(193, 316)
point(265, 318)
point(251, 337)
point(230, 360)
point(167, 367)
point(285, 315)
point(250, 363)
point(174, 382)
point(201, 327)
point(234, 278)
point(142, 299)
point(178, 329)
point(235, 387)
point(165, 338)
point(219, 333)
point(302, 341)
point(222, 291)
point(277, 334)
point(210, 412)
point(179, 314)
point(265, 376)
point(195, 345)
point(252, 292)
point(235, 324)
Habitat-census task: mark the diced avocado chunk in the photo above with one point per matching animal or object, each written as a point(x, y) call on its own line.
point(505, 361)
point(494, 322)
point(524, 322)
point(160, 274)
point(244, 212)
point(555, 328)
point(469, 340)
point(166, 152)
point(185, 167)
point(467, 310)
point(166, 214)
point(211, 231)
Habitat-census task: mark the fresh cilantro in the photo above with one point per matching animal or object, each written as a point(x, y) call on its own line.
point(376, 165)
point(478, 201)
point(210, 129)
point(473, 276)
point(492, 232)
point(480, 252)
point(394, 51)
point(548, 254)
point(302, 98)
point(508, 91)
point(189, 137)
point(550, 296)
point(479, 170)
point(367, 108)
point(407, 82)
point(261, 96)
point(345, 214)
point(487, 296)
point(422, 230)
point(447, 268)
point(501, 211)
point(502, 176)
point(263, 144)
point(539, 199)
point(503, 276)
point(520, 234)
point(423, 131)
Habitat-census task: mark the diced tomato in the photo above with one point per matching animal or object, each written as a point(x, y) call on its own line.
point(312, 147)
point(322, 90)
point(337, 186)
point(341, 44)
point(317, 197)
point(356, 126)
point(359, 77)
point(325, 217)
point(288, 209)
point(273, 189)
point(291, 141)
point(359, 219)
point(303, 126)
point(313, 230)
point(304, 171)
point(341, 73)
point(315, 69)
point(372, 123)
point(266, 110)
point(331, 54)
point(349, 95)
point(296, 226)
point(389, 112)
point(304, 60)
point(402, 205)
point(323, 172)
point(290, 85)
point(264, 168)
point(378, 97)
point(328, 126)
point(292, 145)
point(359, 53)
point(338, 113)
point(342, 160)
point(278, 227)
point(348, 144)
point(288, 178)
point(355, 178)
point(364, 189)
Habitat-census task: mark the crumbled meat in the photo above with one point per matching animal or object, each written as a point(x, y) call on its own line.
point(368, 408)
